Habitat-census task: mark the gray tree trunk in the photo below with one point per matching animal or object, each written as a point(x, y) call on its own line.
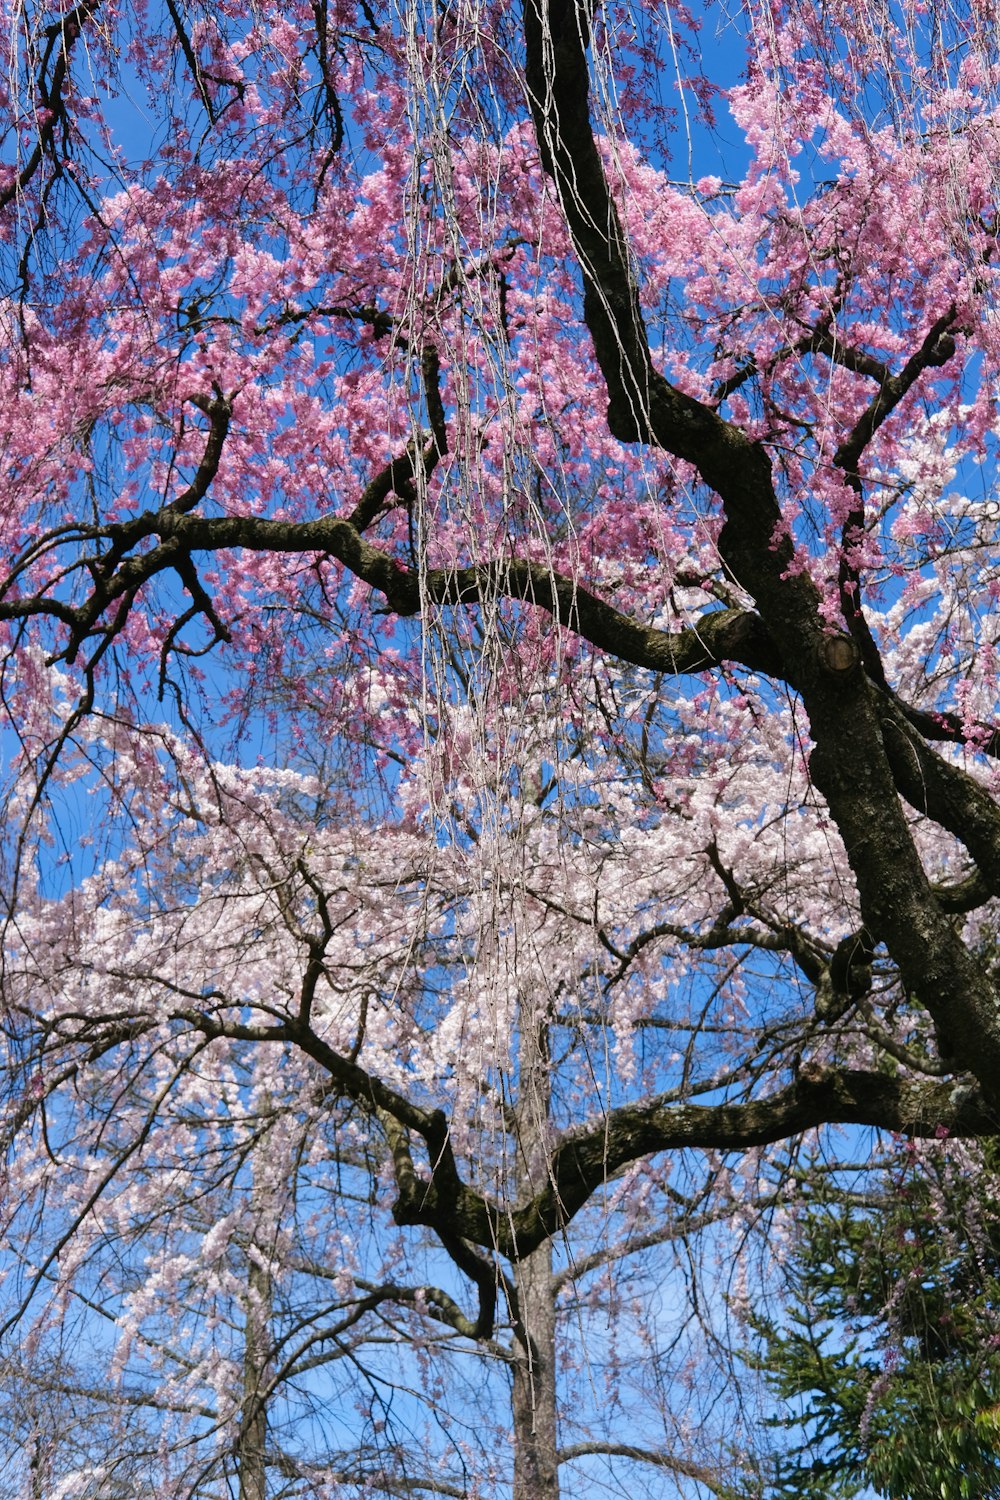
point(536, 1470)
point(252, 1441)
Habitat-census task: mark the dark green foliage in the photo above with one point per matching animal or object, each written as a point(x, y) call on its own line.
point(886, 1356)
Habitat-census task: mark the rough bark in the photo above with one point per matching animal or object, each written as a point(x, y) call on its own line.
point(849, 763)
point(533, 1403)
point(581, 1160)
point(252, 1439)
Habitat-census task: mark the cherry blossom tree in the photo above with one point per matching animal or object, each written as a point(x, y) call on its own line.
point(499, 663)
point(219, 1205)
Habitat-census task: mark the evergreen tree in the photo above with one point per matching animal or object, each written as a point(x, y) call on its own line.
point(886, 1353)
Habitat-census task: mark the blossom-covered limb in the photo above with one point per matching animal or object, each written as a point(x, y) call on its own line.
point(849, 763)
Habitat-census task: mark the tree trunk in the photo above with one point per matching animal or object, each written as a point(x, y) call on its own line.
point(533, 1402)
point(536, 1470)
point(252, 1440)
point(253, 1416)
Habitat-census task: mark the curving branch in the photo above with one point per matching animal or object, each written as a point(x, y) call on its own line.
point(584, 1159)
point(654, 1456)
point(725, 635)
point(948, 728)
point(59, 39)
point(936, 349)
point(946, 793)
point(582, 1162)
point(849, 763)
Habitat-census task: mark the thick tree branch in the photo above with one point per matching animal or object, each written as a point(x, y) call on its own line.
point(720, 636)
point(849, 763)
point(949, 729)
point(964, 895)
point(583, 1161)
point(946, 793)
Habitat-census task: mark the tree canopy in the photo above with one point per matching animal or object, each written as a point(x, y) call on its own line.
point(499, 675)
